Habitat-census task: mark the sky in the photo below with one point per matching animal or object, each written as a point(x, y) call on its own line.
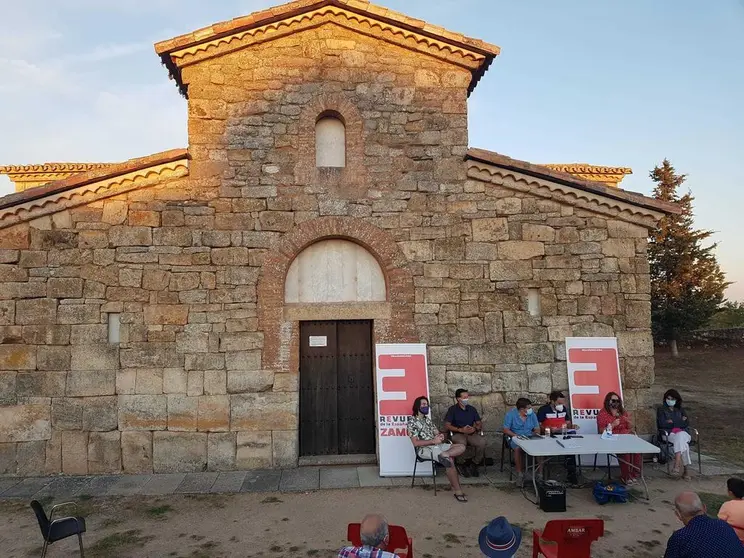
point(619, 83)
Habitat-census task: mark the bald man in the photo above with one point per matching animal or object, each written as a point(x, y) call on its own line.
point(701, 536)
point(375, 537)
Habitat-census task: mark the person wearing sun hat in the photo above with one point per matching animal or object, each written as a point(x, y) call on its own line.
point(498, 539)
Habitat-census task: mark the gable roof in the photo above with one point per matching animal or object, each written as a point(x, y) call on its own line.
point(612, 176)
point(402, 23)
point(101, 172)
point(544, 172)
point(30, 176)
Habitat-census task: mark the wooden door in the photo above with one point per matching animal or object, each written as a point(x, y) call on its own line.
point(337, 413)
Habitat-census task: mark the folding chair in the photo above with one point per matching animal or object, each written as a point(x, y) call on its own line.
point(661, 439)
point(434, 465)
point(567, 538)
point(398, 539)
point(505, 447)
point(54, 530)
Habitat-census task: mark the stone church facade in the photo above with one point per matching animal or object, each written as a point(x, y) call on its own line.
point(152, 311)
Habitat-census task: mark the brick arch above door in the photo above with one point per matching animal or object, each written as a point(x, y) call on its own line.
point(280, 348)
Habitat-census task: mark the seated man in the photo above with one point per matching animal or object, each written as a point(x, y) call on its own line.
point(375, 536)
point(520, 421)
point(464, 422)
point(702, 536)
point(555, 415)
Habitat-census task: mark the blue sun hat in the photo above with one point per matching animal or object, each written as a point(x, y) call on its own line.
point(498, 539)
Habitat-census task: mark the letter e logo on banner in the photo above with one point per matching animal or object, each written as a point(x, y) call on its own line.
point(593, 385)
point(412, 384)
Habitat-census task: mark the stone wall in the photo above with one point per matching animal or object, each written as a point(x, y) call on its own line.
point(205, 373)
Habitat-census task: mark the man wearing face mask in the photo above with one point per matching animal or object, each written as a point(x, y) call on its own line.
point(555, 415)
point(520, 421)
point(465, 424)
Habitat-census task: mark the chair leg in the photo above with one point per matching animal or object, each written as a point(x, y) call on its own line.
point(44, 548)
point(700, 459)
point(434, 476)
point(80, 540)
point(413, 478)
point(503, 450)
point(511, 460)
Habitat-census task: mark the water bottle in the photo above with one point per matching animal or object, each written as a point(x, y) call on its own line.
point(608, 429)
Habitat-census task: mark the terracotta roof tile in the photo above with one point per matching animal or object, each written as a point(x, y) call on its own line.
point(284, 11)
point(541, 171)
point(109, 171)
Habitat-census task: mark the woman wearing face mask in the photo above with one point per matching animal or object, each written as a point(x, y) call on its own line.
point(430, 444)
point(615, 414)
point(673, 419)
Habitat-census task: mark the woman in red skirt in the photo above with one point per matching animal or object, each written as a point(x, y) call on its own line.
point(613, 413)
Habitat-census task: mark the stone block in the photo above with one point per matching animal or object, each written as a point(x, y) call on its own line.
point(241, 341)
point(559, 332)
point(618, 248)
point(532, 353)
point(149, 381)
point(130, 236)
point(143, 412)
point(509, 381)
point(85, 383)
point(40, 384)
point(539, 378)
point(104, 452)
point(264, 411)
point(285, 448)
point(213, 413)
point(621, 229)
point(538, 233)
point(65, 287)
point(74, 452)
point(125, 382)
point(114, 212)
point(179, 452)
point(525, 334)
point(17, 357)
point(79, 314)
point(417, 250)
point(254, 450)
point(42, 311)
point(175, 380)
point(31, 458)
point(638, 372)
point(449, 354)
point(635, 343)
point(100, 356)
point(589, 305)
point(286, 382)
point(182, 413)
point(215, 382)
point(99, 414)
point(8, 458)
point(477, 383)
point(8, 383)
point(490, 229)
point(637, 314)
point(221, 451)
point(195, 383)
point(166, 314)
point(493, 324)
point(592, 329)
point(520, 250)
point(242, 381)
point(7, 312)
point(53, 358)
point(25, 423)
point(136, 452)
point(53, 461)
point(470, 331)
point(559, 375)
point(493, 354)
point(243, 360)
point(510, 270)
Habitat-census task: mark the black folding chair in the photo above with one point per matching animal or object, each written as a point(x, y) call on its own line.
point(434, 465)
point(661, 439)
point(54, 530)
point(506, 448)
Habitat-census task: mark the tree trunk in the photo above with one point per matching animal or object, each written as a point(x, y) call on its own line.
point(673, 347)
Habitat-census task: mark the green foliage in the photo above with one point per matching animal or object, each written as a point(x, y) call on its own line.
point(730, 315)
point(687, 284)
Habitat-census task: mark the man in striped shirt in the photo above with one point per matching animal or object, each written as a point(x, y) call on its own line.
point(375, 536)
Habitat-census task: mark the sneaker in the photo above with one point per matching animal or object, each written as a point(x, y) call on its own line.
point(445, 461)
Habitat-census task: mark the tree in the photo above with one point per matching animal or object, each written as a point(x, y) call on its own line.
point(687, 284)
point(730, 315)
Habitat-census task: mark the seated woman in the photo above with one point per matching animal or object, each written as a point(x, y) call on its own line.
point(430, 444)
point(613, 413)
point(732, 512)
point(673, 419)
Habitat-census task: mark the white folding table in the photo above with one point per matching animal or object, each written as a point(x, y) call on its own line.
point(548, 448)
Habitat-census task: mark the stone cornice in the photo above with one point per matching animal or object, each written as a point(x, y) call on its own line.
point(88, 192)
point(29, 176)
point(564, 193)
point(360, 17)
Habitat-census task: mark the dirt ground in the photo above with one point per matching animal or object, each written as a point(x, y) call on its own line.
point(711, 382)
point(314, 524)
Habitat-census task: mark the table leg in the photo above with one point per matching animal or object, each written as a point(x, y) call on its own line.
point(534, 479)
point(639, 469)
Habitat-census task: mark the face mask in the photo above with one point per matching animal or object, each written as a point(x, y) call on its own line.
point(614, 404)
point(671, 402)
point(464, 402)
point(559, 408)
point(529, 412)
point(424, 410)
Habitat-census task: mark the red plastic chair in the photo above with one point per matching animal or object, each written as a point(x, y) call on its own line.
point(398, 539)
point(567, 538)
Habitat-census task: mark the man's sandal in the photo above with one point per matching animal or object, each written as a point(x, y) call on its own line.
point(461, 498)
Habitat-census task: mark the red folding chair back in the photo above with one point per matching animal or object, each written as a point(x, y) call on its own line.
point(567, 538)
point(398, 539)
